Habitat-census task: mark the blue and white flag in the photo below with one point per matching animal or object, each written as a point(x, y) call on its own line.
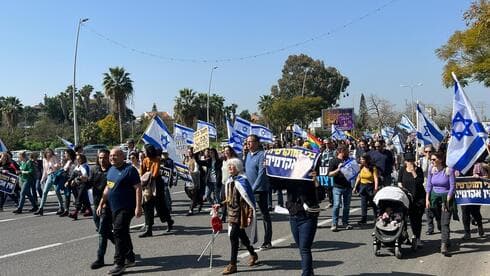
point(3, 148)
point(211, 128)
point(338, 134)
point(158, 135)
point(186, 133)
point(468, 135)
point(367, 134)
point(242, 126)
point(67, 143)
point(264, 134)
point(427, 131)
point(397, 143)
point(406, 124)
point(298, 131)
point(235, 140)
point(387, 133)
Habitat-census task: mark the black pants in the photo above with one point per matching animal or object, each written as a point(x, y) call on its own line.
point(415, 215)
point(429, 214)
point(124, 246)
point(261, 199)
point(156, 202)
point(3, 198)
point(468, 212)
point(443, 218)
point(235, 234)
point(366, 191)
point(82, 197)
point(104, 224)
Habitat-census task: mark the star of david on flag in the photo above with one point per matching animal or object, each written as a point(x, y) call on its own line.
point(158, 135)
point(468, 135)
point(264, 134)
point(185, 132)
point(235, 140)
point(427, 131)
point(242, 126)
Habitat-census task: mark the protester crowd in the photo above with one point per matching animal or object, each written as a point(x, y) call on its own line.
point(126, 185)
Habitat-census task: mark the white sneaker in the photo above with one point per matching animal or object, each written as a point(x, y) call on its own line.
point(333, 228)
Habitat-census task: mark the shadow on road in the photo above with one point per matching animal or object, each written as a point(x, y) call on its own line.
point(172, 263)
point(269, 265)
point(394, 273)
point(325, 246)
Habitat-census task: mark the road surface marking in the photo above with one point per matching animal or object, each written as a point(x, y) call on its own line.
point(30, 250)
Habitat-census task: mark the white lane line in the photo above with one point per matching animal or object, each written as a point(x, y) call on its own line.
point(174, 193)
point(30, 250)
point(285, 238)
point(26, 217)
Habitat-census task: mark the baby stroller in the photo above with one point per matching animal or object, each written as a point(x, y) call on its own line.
point(391, 225)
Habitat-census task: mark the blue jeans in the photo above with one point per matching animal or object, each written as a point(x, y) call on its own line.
point(49, 183)
point(26, 191)
point(345, 194)
point(303, 228)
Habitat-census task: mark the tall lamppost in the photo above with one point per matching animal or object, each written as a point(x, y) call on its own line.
point(411, 86)
point(209, 91)
point(304, 82)
point(75, 122)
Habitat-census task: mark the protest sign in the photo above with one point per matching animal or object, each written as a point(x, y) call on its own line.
point(350, 169)
point(8, 182)
point(472, 191)
point(290, 163)
point(180, 147)
point(166, 174)
point(201, 139)
point(184, 174)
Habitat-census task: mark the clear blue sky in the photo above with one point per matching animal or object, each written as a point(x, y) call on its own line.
point(378, 53)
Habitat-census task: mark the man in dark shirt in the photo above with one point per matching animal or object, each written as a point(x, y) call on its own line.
point(341, 188)
point(123, 192)
point(389, 164)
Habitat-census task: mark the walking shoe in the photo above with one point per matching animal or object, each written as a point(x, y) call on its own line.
point(266, 246)
point(419, 243)
point(147, 233)
point(466, 236)
point(252, 260)
point(481, 232)
point(429, 232)
point(116, 270)
point(65, 214)
point(39, 212)
point(60, 211)
point(97, 264)
point(348, 227)
point(33, 209)
point(230, 269)
point(329, 205)
point(170, 225)
point(444, 249)
point(190, 213)
point(18, 211)
point(334, 228)
point(130, 263)
point(73, 215)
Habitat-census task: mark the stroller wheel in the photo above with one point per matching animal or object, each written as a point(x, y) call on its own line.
point(376, 249)
point(398, 252)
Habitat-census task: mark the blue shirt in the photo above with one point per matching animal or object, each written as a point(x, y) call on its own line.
point(255, 171)
point(121, 182)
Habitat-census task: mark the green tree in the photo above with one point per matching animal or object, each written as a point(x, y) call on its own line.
point(108, 129)
point(467, 53)
point(118, 87)
point(285, 111)
point(363, 119)
point(245, 114)
point(90, 133)
point(10, 108)
point(185, 107)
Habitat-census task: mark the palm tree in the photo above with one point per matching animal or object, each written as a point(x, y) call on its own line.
point(185, 107)
point(118, 88)
point(265, 107)
point(10, 107)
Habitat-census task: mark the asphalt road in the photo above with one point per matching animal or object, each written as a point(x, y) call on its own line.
point(49, 245)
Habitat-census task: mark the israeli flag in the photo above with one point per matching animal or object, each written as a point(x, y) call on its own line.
point(397, 142)
point(185, 132)
point(211, 128)
point(158, 135)
point(368, 135)
point(264, 134)
point(338, 134)
point(468, 135)
point(235, 140)
point(387, 132)
point(3, 148)
point(242, 126)
point(67, 143)
point(406, 124)
point(427, 131)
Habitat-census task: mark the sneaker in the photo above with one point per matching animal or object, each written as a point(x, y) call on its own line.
point(329, 205)
point(466, 236)
point(419, 243)
point(116, 270)
point(252, 260)
point(334, 228)
point(97, 264)
point(129, 263)
point(18, 211)
point(348, 227)
point(229, 269)
point(34, 209)
point(265, 246)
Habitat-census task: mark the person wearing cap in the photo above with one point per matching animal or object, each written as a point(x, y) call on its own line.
point(411, 178)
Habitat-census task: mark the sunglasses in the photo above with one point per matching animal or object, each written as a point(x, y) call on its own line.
point(433, 160)
point(427, 151)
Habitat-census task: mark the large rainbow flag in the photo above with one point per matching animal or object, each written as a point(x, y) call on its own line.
point(314, 142)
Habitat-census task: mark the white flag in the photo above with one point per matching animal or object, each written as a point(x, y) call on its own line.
point(427, 131)
point(158, 135)
point(185, 132)
point(468, 135)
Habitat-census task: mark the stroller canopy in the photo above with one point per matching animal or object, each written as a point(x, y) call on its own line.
point(392, 193)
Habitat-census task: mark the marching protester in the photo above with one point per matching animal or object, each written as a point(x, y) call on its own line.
point(424, 163)
point(79, 184)
point(411, 178)
point(153, 191)
point(326, 155)
point(27, 180)
point(367, 181)
point(303, 206)
point(213, 178)
point(103, 221)
point(379, 160)
point(123, 194)
point(131, 149)
point(69, 157)
point(440, 195)
point(229, 153)
point(36, 189)
point(342, 189)
point(167, 165)
point(240, 206)
point(254, 169)
point(51, 170)
point(6, 166)
point(133, 159)
point(193, 191)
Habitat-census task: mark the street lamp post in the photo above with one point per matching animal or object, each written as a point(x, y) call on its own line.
point(411, 86)
point(75, 122)
point(304, 82)
point(209, 92)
